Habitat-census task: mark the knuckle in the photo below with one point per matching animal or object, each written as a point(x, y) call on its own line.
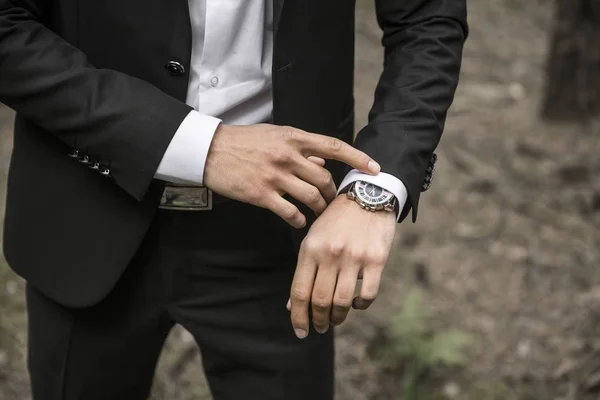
point(321, 301)
point(291, 212)
point(321, 304)
point(310, 245)
point(281, 156)
point(359, 255)
point(314, 196)
point(375, 258)
point(287, 133)
point(337, 248)
point(270, 177)
point(327, 179)
point(299, 295)
point(342, 303)
point(343, 298)
point(334, 144)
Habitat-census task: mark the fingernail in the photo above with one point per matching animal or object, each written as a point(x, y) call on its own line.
point(289, 305)
point(322, 330)
point(301, 333)
point(374, 167)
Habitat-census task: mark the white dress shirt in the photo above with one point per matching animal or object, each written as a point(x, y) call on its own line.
point(230, 82)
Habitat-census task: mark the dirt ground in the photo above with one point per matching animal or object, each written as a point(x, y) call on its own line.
point(506, 247)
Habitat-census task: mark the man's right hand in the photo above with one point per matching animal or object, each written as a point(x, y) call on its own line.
point(258, 164)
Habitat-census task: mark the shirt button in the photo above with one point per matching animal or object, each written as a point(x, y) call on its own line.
point(214, 81)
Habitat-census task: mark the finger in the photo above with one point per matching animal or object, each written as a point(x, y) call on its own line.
point(322, 297)
point(335, 149)
point(287, 211)
point(318, 177)
point(305, 193)
point(344, 291)
point(317, 160)
point(300, 293)
point(369, 289)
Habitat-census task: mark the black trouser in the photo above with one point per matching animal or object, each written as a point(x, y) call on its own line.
point(225, 276)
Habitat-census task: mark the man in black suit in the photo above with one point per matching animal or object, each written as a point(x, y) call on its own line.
point(163, 148)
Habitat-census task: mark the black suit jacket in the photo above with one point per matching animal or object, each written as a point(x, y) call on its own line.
point(91, 75)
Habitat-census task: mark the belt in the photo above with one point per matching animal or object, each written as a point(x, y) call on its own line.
point(189, 198)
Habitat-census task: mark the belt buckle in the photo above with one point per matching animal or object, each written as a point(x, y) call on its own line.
point(186, 198)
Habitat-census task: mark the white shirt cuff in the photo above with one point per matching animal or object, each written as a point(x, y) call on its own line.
point(184, 160)
point(383, 180)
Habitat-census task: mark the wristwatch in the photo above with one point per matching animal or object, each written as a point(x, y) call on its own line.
point(371, 197)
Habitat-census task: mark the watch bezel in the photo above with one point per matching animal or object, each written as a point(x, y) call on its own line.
point(389, 203)
point(379, 201)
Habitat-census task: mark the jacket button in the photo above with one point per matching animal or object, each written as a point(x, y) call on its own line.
point(175, 68)
point(105, 172)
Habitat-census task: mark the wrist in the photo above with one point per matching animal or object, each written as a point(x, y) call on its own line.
point(356, 212)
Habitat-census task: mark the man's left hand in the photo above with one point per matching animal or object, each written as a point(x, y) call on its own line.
point(345, 244)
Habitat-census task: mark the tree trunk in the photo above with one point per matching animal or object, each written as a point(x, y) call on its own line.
point(573, 70)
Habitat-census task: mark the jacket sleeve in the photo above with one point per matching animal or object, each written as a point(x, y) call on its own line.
point(121, 121)
point(423, 42)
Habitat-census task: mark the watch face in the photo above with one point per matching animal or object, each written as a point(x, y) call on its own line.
point(372, 194)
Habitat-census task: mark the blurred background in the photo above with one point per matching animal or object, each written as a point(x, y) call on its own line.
point(495, 293)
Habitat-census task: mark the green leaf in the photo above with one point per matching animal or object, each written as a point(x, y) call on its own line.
point(447, 348)
point(411, 320)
